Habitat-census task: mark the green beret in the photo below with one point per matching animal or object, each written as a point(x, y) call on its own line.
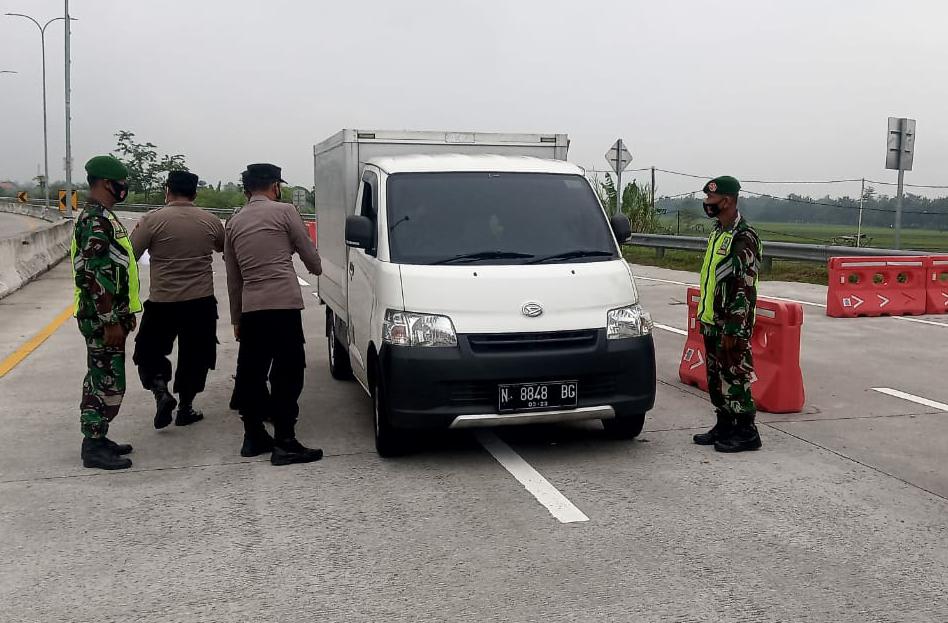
point(723, 185)
point(107, 168)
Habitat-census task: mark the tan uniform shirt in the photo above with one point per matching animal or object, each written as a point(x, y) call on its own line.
point(258, 251)
point(180, 239)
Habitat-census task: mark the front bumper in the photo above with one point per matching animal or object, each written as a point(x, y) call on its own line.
point(458, 387)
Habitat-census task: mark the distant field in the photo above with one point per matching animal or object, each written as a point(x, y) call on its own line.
point(807, 272)
point(882, 237)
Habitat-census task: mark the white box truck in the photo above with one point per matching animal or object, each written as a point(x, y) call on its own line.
point(474, 279)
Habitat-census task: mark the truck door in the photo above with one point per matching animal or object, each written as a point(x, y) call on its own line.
point(362, 269)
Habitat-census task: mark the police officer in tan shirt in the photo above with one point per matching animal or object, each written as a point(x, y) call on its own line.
point(265, 306)
point(181, 240)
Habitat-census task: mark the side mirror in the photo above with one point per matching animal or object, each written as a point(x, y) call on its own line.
point(359, 232)
point(621, 227)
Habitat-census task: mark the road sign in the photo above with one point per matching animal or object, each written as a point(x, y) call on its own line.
point(22, 197)
point(900, 147)
point(62, 200)
point(618, 157)
point(299, 198)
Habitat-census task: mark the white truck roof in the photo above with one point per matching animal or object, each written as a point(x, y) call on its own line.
point(472, 163)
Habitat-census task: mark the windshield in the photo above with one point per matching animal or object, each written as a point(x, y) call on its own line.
point(495, 218)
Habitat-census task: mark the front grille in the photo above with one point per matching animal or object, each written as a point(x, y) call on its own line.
point(473, 393)
point(531, 342)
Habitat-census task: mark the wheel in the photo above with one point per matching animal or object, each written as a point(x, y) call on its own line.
point(389, 442)
point(339, 366)
point(625, 425)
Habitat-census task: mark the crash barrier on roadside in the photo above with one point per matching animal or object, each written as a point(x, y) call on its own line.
point(778, 383)
point(877, 286)
point(937, 284)
point(311, 228)
point(25, 256)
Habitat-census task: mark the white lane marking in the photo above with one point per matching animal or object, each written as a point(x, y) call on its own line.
point(665, 327)
point(920, 321)
point(911, 398)
point(677, 283)
point(302, 282)
point(545, 493)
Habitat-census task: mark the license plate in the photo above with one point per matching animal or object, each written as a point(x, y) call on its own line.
point(537, 396)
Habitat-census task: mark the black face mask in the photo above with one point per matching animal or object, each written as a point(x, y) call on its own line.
point(712, 209)
point(118, 191)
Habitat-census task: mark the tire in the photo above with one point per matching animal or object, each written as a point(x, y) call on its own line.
point(389, 442)
point(624, 425)
point(339, 366)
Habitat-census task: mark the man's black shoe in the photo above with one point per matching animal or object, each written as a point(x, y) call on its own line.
point(743, 438)
point(118, 448)
point(256, 444)
point(165, 404)
point(719, 432)
point(290, 451)
point(187, 415)
point(98, 453)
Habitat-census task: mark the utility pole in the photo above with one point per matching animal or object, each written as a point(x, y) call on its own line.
point(42, 30)
point(653, 189)
point(862, 199)
point(68, 119)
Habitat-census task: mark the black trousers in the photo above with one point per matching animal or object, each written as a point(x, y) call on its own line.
point(271, 348)
point(194, 325)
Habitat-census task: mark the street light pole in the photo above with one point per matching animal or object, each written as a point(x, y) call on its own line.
point(42, 29)
point(68, 94)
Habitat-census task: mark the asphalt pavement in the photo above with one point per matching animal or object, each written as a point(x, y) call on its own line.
point(840, 517)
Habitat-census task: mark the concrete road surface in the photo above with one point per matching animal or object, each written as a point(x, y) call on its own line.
point(841, 516)
point(12, 224)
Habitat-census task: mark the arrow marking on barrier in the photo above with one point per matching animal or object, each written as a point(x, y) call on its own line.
point(856, 298)
point(700, 361)
point(765, 340)
point(945, 294)
point(883, 301)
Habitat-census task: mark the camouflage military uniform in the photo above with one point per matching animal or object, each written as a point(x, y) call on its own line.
point(101, 274)
point(731, 370)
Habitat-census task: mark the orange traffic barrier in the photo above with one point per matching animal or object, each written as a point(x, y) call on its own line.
point(778, 386)
point(876, 286)
point(311, 228)
point(937, 284)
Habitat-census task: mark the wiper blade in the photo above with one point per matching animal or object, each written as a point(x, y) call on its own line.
point(569, 255)
point(483, 255)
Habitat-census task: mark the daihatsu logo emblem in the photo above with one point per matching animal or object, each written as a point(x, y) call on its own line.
point(531, 310)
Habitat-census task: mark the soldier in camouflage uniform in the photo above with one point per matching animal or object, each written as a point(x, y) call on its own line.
point(106, 301)
point(726, 315)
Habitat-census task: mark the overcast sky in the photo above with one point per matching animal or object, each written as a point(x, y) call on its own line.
point(763, 89)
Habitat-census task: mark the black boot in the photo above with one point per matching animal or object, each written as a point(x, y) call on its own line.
point(290, 451)
point(164, 403)
point(98, 453)
point(256, 439)
point(118, 448)
point(187, 415)
point(720, 431)
point(186, 412)
point(744, 437)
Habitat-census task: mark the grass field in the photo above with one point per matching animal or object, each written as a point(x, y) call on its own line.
point(804, 233)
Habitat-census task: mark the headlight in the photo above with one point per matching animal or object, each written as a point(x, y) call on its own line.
point(409, 329)
point(628, 321)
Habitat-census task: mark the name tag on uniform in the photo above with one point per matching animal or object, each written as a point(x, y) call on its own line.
point(725, 245)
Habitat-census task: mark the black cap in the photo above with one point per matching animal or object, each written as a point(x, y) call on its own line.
point(264, 172)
